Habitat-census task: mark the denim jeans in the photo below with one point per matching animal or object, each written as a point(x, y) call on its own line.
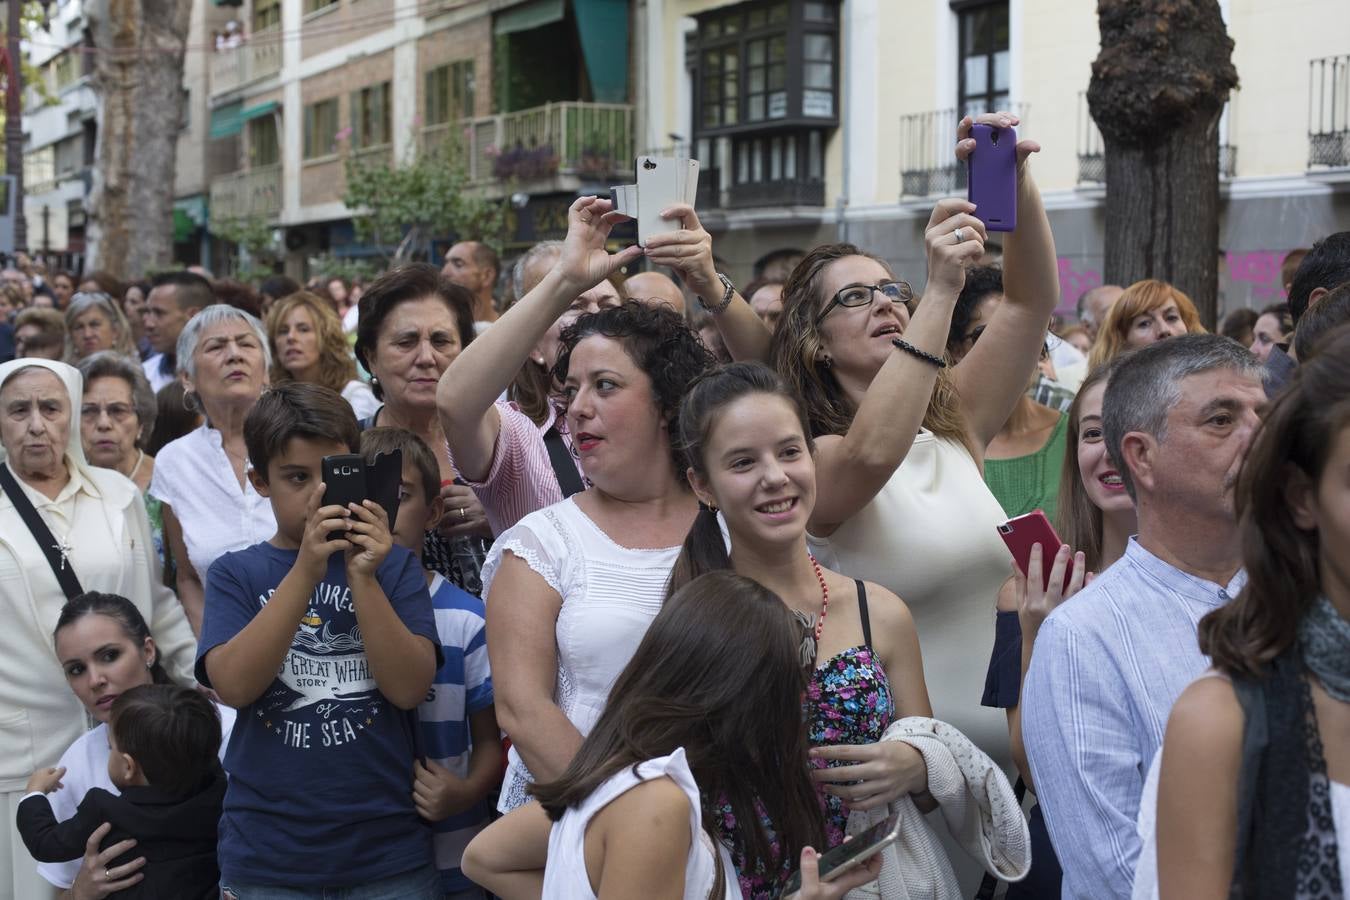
point(420, 884)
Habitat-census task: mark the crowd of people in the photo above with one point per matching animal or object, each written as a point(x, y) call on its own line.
point(685, 585)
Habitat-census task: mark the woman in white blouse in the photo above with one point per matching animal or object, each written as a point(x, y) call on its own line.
point(209, 505)
point(572, 588)
point(307, 344)
point(98, 526)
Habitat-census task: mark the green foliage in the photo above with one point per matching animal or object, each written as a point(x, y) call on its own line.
point(427, 196)
point(252, 236)
point(346, 268)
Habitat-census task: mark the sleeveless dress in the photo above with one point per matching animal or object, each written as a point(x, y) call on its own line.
point(848, 701)
point(565, 875)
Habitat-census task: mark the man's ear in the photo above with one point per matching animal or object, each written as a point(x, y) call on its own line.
point(259, 482)
point(1301, 495)
point(1317, 294)
point(1139, 454)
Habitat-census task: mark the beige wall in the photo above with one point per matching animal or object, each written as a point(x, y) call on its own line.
point(323, 180)
point(471, 40)
point(342, 23)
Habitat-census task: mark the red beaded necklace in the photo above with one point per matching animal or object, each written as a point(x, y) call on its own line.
point(824, 597)
point(813, 626)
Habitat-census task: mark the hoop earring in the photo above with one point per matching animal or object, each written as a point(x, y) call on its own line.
point(190, 402)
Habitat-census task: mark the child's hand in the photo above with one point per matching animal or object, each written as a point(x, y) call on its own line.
point(45, 780)
point(438, 793)
point(369, 539)
point(320, 521)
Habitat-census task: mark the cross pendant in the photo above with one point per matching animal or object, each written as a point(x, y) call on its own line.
point(64, 549)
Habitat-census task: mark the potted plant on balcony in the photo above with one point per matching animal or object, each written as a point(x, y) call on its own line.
point(525, 163)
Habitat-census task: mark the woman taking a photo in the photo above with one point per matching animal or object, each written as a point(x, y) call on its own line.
point(1253, 798)
point(65, 527)
point(210, 506)
point(308, 345)
point(702, 736)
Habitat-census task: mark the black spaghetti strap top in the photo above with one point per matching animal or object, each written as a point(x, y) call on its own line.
point(862, 614)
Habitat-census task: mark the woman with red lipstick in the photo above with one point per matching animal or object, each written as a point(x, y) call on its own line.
point(308, 345)
point(572, 588)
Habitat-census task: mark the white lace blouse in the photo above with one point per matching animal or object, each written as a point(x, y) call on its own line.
point(610, 594)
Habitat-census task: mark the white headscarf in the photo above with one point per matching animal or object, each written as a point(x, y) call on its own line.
point(74, 383)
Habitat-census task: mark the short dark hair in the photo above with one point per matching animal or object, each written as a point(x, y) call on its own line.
point(1326, 266)
point(1325, 316)
point(191, 291)
point(238, 295)
point(414, 281)
point(981, 282)
point(172, 732)
point(386, 439)
point(278, 286)
point(1239, 323)
point(485, 256)
point(297, 410)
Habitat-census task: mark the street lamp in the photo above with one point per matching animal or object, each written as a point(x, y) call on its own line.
point(14, 111)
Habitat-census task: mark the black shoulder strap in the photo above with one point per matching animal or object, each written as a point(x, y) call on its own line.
point(61, 567)
point(862, 614)
point(564, 467)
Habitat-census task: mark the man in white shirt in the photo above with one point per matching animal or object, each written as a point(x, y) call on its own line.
point(174, 299)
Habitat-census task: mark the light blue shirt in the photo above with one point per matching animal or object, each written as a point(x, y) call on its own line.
point(1106, 669)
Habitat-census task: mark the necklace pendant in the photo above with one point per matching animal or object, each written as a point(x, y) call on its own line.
point(64, 549)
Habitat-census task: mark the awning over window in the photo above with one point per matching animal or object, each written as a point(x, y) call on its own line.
point(189, 214)
point(603, 28)
point(528, 15)
point(228, 120)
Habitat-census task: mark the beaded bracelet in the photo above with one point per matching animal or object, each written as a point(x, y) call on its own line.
point(921, 354)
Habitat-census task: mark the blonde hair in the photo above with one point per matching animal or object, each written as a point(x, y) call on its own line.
point(795, 353)
point(85, 301)
point(1140, 297)
point(336, 366)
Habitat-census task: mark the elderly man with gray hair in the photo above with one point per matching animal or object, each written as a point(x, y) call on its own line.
point(1178, 417)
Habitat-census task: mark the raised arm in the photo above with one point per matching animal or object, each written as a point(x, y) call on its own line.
point(689, 252)
point(485, 369)
point(995, 372)
point(858, 464)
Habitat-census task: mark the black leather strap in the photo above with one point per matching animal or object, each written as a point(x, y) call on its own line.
point(862, 614)
point(564, 466)
point(61, 566)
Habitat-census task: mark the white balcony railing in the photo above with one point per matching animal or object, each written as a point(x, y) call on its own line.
point(257, 57)
point(253, 193)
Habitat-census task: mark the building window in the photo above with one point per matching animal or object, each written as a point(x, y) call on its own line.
point(983, 74)
point(312, 6)
point(266, 14)
point(370, 116)
point(65, 70)
point(263, 147)
point(321, 125)
point(449, 93)
point(767, 62)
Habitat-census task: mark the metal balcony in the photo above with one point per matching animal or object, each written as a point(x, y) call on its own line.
point(1092, 148)
point(250, 194)
point(256, 58)
point(928, 163)
point(1329, 112)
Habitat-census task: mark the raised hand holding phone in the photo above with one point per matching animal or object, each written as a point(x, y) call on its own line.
point(997, 158)
point(325, 534)
point(369, 539)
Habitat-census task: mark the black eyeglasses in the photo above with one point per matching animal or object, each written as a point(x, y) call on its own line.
point(861, 295)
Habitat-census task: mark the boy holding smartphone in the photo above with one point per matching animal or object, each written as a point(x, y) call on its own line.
point(323, 638)
point(458, 723)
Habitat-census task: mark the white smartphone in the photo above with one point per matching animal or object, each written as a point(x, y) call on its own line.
point(660, 185)
point(853, 853)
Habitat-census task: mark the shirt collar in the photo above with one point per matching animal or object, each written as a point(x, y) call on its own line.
point(1187, 585)
point(76, 483)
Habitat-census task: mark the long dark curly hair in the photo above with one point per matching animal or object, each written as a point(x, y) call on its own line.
point(660, 343)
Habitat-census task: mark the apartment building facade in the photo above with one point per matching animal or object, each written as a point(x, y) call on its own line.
point(818, 121)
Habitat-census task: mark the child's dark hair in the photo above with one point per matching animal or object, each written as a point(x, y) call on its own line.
point(120, 610)
point(386, 439)
point(172, 732)
point(659, 342)
point(297, 410)
point(704, 549)
point(717, 673)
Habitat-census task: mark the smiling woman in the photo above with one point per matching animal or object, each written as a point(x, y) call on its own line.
point(60, 517)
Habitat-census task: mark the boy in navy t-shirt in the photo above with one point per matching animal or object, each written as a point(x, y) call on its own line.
point(459, 725)
point(323, 638)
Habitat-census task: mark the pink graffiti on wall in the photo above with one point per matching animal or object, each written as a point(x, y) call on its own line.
point(1074, 284)
point(1261, 270)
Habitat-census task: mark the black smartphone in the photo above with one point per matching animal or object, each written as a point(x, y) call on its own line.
point(344, 480)
point(384, 473)
point(852, 854)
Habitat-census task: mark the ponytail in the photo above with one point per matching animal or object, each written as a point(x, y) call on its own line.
point(704, 551)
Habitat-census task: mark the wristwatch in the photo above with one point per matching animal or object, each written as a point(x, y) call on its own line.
point(726, 296)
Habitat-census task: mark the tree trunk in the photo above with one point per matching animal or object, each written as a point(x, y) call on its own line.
point(1157, 91)
point(138, 77)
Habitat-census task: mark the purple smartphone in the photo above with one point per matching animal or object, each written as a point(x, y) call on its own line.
point(993, 177)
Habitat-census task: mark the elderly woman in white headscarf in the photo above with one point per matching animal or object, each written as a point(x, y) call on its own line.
point(60, 517)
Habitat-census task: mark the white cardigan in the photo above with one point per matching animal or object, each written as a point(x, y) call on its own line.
point(39, 715)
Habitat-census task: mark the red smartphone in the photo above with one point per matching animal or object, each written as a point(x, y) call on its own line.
point(992, 185)
point(1023, 532)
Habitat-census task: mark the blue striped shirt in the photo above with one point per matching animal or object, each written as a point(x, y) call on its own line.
point(1106, 669)
point(462, 687)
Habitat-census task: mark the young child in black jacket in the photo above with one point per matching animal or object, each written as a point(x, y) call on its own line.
point(164, 744)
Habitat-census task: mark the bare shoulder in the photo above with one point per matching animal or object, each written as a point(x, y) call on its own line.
point(1207, 718)
point(653, 814)
point(887, 610)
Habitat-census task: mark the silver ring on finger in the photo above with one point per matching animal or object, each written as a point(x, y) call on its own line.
point(958, 235)
point(462, 514)
point(107, 875)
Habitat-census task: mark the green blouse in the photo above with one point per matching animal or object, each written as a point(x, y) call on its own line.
point(1024, 483)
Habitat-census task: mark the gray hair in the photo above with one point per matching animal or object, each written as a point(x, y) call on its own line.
point(83, 302)
point(528, 259)
point(109, 364)
point(214, 315)
point(1147, 384)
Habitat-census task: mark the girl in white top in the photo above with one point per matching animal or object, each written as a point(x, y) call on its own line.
point(571, 588)
point(1253, 794)
point(702, 729)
